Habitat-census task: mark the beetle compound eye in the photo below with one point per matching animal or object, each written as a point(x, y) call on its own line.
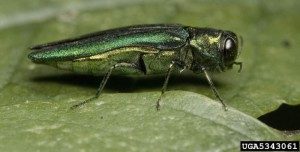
point(229, 44)
point(229, 50)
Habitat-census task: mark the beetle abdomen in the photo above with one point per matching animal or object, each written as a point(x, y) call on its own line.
point(101, 63)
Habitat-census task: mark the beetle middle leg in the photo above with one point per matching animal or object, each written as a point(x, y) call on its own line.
point(163, 90)
point(103, 83)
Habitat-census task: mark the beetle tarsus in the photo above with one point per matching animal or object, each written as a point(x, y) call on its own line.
point(83, 103)
point(225, 107)
point(158, 105)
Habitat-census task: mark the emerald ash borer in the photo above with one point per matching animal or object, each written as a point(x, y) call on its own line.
point(143, 49)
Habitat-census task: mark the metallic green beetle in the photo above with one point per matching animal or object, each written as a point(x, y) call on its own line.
point(143, 49)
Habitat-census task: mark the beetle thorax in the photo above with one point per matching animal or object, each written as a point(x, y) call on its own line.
point(205, 52)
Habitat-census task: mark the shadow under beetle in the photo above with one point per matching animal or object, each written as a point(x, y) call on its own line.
point(143, 49)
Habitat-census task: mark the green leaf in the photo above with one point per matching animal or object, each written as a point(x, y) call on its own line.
point(35, 99)
point(187, 121)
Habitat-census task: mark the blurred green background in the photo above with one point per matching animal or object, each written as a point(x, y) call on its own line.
point(35, 99)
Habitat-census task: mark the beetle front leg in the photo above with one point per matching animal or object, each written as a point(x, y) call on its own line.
point(103, 83)
point(212, 86)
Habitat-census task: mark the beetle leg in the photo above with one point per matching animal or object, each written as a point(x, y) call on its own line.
point(103, 83)
point(165, 84)
point(182, 68)
point(212, 86)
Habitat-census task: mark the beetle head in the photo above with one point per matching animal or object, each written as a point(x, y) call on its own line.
point(216, 50)
point(229, 49)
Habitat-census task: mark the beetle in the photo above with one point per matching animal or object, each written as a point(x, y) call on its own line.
point(143, 49)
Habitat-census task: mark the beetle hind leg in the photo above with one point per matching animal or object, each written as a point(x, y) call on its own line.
point(103, 83)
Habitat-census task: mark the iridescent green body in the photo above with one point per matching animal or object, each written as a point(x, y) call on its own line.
point(143, 49)
point(150, 47)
